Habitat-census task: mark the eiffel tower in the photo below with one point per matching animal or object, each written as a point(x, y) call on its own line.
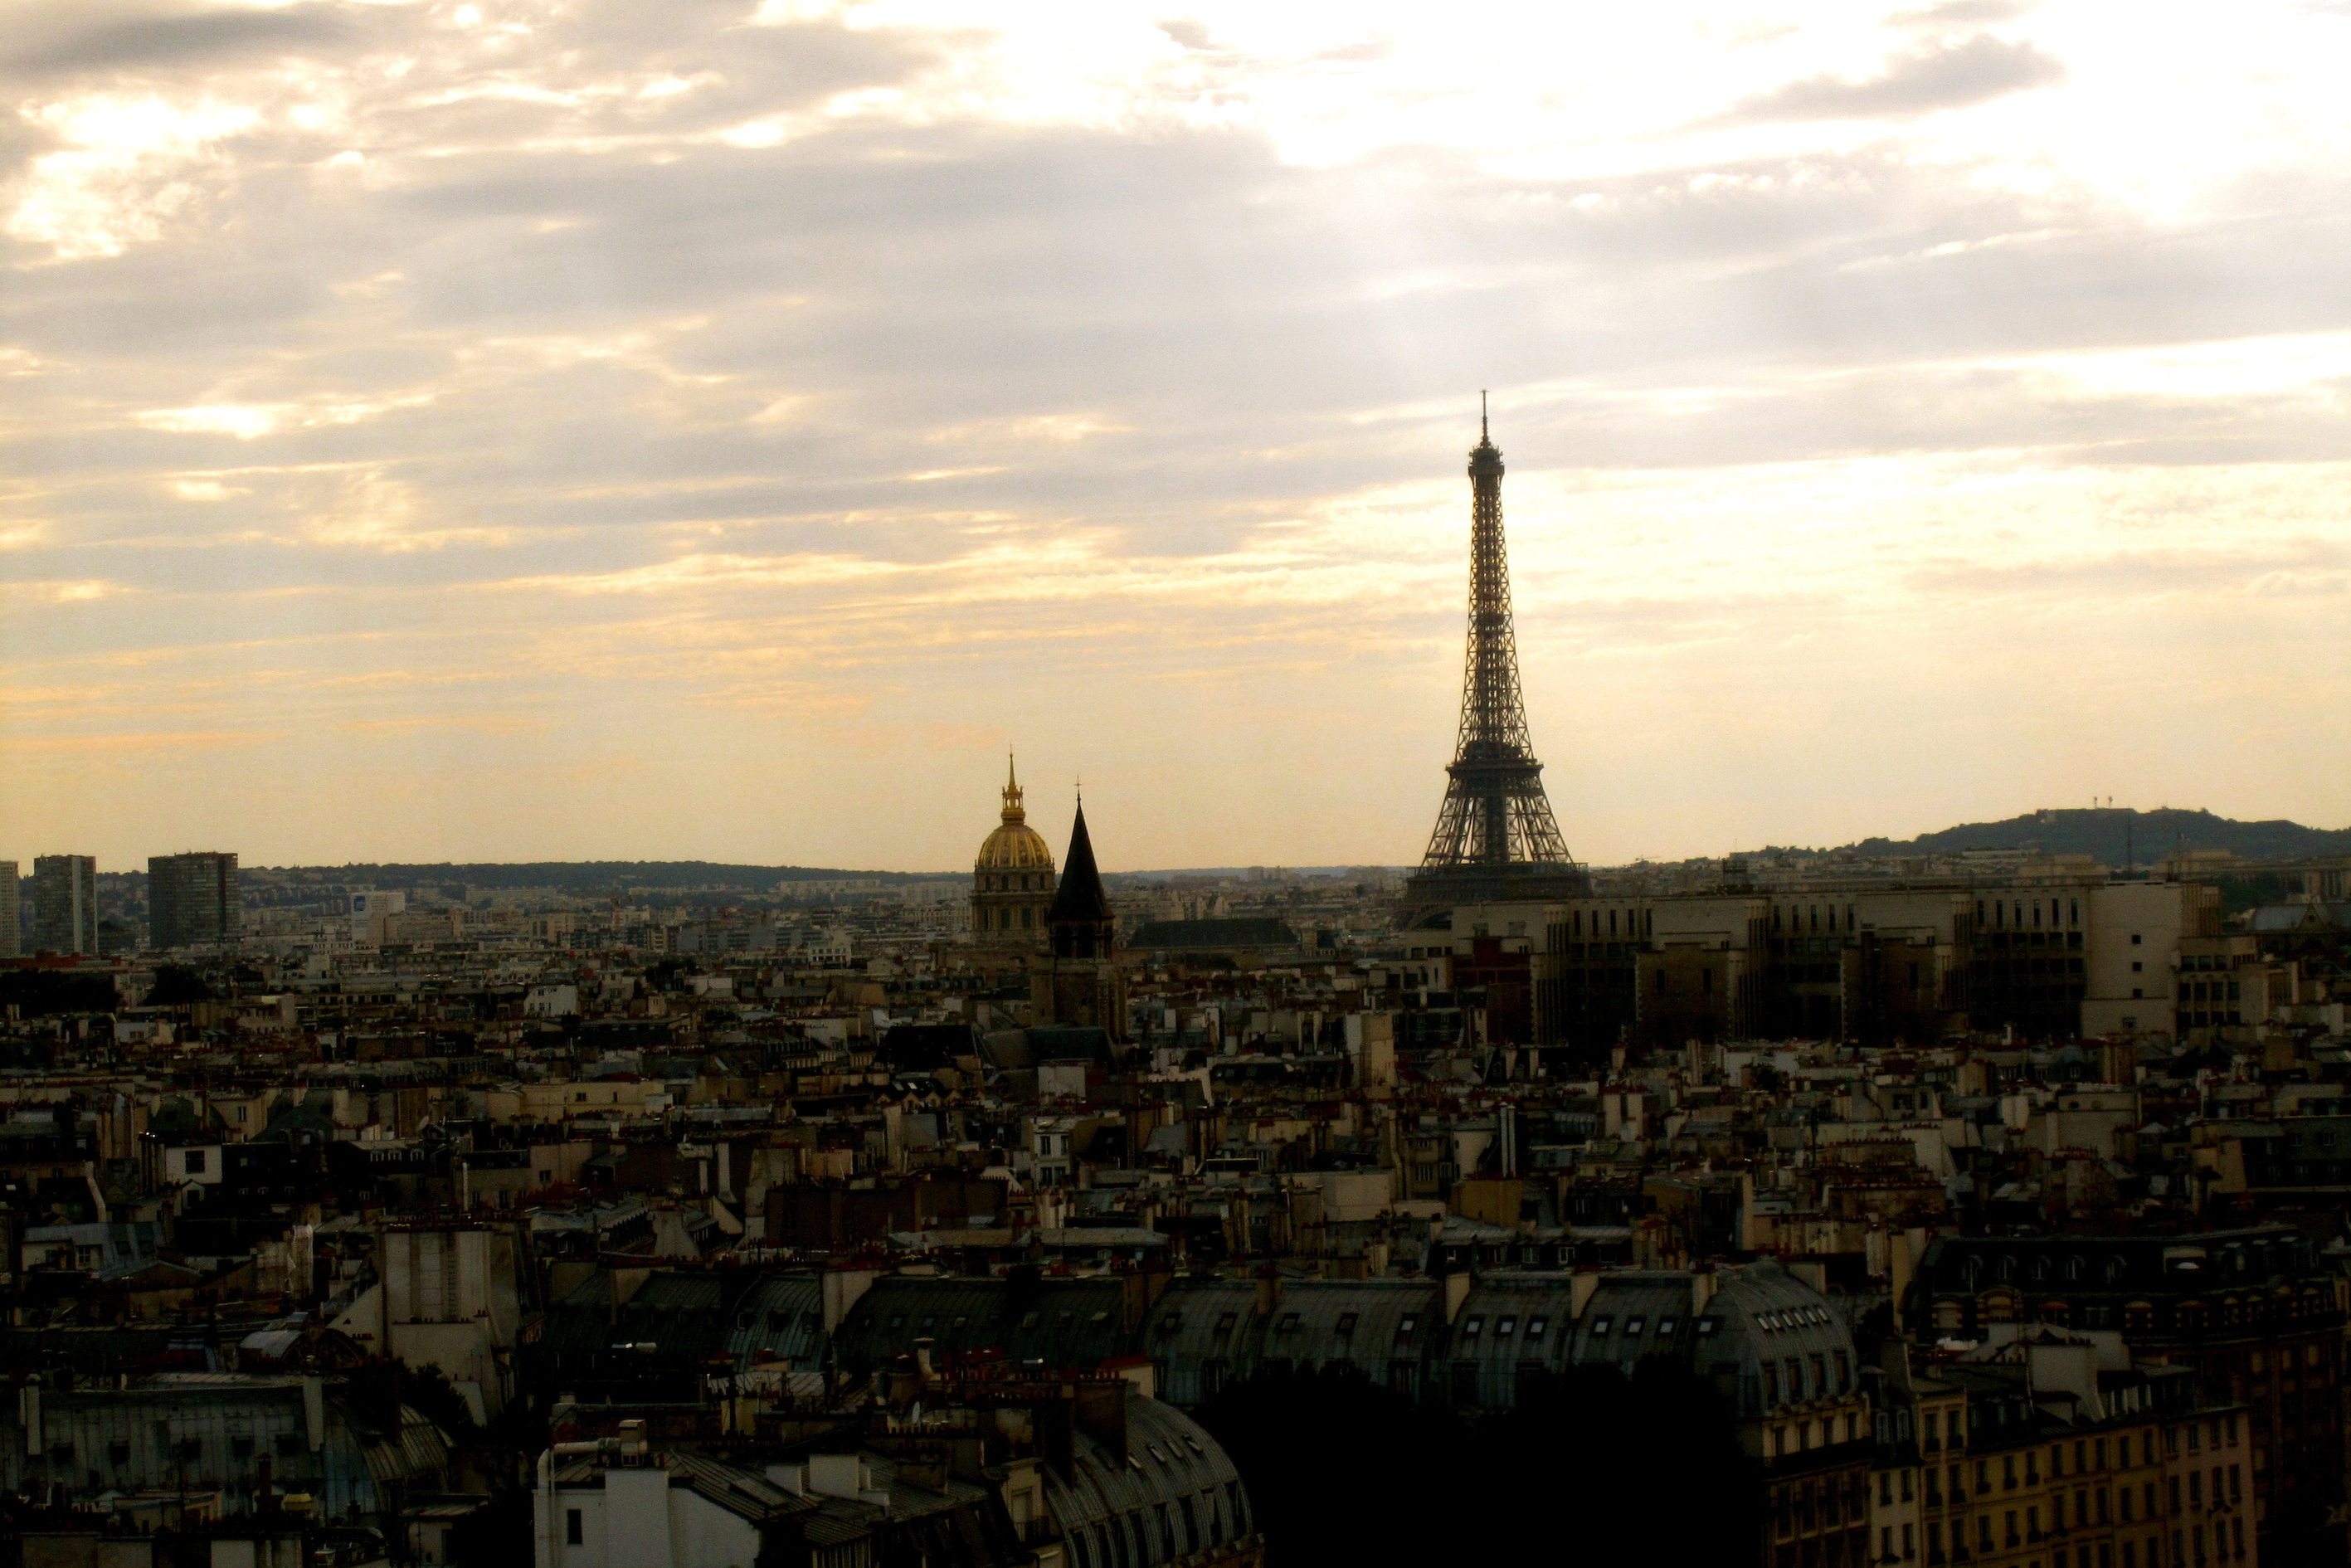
point(1494, 838)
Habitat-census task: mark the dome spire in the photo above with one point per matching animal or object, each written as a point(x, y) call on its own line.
point(1013, 810)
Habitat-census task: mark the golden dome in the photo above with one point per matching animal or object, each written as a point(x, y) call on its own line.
point(1015, 846)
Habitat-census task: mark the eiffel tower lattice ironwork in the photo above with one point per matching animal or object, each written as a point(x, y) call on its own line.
point(1496, 838)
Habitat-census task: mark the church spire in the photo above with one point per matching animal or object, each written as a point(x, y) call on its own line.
point(1082, 925)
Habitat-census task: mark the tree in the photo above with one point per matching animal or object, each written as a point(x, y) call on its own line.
point(1340, 1469)
point(177, 986)
point(44, 993)
point(1589, 1466)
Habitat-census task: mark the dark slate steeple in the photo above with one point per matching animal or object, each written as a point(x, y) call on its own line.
point(1082, 926)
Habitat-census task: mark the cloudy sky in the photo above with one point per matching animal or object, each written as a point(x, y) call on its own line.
point(718, 429)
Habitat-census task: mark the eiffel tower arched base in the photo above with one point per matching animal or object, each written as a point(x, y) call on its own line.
point(1433, 893)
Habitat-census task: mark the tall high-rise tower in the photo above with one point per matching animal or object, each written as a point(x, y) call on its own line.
point(192, 898)
point(1495, 837)
point(64, 903)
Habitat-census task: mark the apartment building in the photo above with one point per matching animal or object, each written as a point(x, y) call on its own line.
point(64, 903)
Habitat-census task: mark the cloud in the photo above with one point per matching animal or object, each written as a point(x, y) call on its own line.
point(58, 39)
point(1917, 82)
point(78, 590)
point(1188, 33)
point(1030, 374)
point(173, 740)
point(1960, 14)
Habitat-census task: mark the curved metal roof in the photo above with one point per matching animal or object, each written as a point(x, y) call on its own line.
point(781, 1317)
point(1174, 1496)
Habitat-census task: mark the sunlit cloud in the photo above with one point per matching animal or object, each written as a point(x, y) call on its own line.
point(250, 422)
point(130, 167)
point(79, 590)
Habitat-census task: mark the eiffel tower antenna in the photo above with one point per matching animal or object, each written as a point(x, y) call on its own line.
point(1495, 838)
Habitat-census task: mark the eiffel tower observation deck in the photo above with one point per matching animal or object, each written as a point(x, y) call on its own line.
point(1495, 840)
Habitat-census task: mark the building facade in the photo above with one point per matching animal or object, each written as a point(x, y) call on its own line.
point(191, 898)
point(64, 903)
point(2252, 1315)
point(1875, 965)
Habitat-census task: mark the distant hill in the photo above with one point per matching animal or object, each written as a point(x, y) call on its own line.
point(2111, 835)
point(577, 876)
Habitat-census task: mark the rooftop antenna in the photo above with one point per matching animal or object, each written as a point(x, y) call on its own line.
point(1481, 414)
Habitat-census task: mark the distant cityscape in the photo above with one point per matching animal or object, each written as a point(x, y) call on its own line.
point(1977, 1200)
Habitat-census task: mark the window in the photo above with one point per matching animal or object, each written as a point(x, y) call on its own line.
point(1600, 1327)
point(1666, 1326)
point(1505, 1326)
point(1470, 1327)
point(1538, 1327)
point(1707, 1325)
point(195, 1162)
point(1405, 1325)
point(1635, 1325)
point(573, 1534)
point(1347, 1325)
